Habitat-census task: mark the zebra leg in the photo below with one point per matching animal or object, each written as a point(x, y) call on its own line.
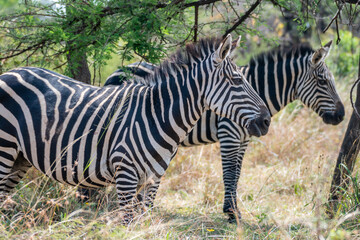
point(18, 171)
point(146, 194)
point(11, 171)
point(84, 194)
point(126, 187)
point(151, 194)
point(232, 152)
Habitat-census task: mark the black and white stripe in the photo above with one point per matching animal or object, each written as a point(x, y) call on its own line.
point(279, 77)
point(91, 137)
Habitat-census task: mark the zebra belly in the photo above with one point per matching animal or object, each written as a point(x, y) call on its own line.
point(73, 169)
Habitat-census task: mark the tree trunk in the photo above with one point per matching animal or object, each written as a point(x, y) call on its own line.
point(78, 66)
point(347, 156)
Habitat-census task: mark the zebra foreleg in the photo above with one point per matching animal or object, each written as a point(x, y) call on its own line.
point(126, 187)
point(232, 152)
point(147, 193)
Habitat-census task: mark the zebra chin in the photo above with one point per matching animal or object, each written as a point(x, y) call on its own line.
point(260, 125)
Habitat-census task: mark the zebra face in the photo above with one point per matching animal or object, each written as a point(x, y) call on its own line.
point(229, 95)
point(318, 91)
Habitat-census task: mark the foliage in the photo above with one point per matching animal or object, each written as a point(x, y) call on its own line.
point(92, 28)
point(66, 32)
point(347, 53)
point(58, 33)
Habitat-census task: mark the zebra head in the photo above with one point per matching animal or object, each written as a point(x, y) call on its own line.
point(228, 94)
point(317, 88)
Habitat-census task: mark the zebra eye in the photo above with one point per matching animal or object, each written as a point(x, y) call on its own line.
point(322, 82)
point(237, 79)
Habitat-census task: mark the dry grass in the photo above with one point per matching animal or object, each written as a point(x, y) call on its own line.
point(283, 186)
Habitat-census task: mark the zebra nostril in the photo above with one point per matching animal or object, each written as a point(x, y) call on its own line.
point(267, 122)
point(340, 118)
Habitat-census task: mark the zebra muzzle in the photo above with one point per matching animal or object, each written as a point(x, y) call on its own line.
point(334, 117)
point(260, 125)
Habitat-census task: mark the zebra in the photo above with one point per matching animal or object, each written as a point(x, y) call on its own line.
point(92, 137)
point(279, 76)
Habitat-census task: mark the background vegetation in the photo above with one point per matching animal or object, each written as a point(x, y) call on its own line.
point(286, 175)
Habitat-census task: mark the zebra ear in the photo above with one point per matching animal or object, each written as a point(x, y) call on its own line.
point(236, 43)
point(321, 54)
point(327, 48)
point(328, 45)
point(224, 49)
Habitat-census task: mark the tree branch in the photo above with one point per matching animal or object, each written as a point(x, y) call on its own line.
point(200, 3)
point(19, 52)
point(113, 10)
point(334, 18)
point(351, 97)
point(352, 1)
point(243, 17)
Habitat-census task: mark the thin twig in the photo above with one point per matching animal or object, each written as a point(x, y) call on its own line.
point(234, 10)
point(36, 46)
point(243, 17)
point(337, 32)
point(59, 66)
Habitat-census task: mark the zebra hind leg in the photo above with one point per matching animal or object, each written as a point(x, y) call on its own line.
point(21, 166)
point(11, 172)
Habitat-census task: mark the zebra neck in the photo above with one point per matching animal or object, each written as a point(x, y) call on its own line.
point(276, 79)
point(177, 105)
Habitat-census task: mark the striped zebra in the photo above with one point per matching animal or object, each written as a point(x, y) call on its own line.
point(279, 77)
point(91, 137)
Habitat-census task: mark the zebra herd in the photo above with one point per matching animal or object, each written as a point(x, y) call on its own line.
point(279, 77)
point(127, 132)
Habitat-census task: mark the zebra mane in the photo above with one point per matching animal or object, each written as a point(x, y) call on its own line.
point(181, 57)
point(282, 52)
